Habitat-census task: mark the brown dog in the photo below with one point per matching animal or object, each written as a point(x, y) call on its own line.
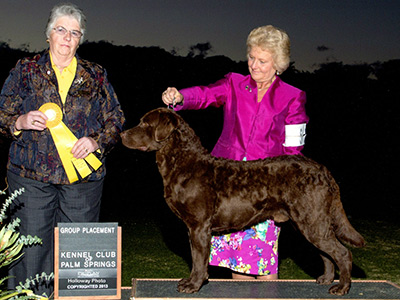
point(216, 195)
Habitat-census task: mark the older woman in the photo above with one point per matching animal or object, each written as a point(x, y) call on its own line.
point(263, 117)
point(42, 158)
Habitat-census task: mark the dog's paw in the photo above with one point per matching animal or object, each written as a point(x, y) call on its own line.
point(339, 289)
point(325, 279)
point(185, 285)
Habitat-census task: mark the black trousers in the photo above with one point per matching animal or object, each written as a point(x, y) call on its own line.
point(40, 208)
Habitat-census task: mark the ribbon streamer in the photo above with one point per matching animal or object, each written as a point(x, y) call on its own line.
point(64, 140)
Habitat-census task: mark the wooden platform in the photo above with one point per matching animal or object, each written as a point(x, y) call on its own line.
point(146, 289)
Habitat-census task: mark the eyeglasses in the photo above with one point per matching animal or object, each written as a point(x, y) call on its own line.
point(62, 31)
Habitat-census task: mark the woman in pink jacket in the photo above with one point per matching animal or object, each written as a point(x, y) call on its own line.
point(263, 117)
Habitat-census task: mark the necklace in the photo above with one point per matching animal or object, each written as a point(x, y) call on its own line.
point(268, 85)
point(264, 87)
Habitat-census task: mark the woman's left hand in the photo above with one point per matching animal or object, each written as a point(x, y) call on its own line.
point(83, 147)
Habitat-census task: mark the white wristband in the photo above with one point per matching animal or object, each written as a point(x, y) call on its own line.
point(295, 135)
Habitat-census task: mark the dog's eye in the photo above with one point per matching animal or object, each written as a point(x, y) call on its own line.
point(144, 125)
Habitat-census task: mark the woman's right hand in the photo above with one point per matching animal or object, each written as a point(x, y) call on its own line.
point(33, 120)
point(171, 96)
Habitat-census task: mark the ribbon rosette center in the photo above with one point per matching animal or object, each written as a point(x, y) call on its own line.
point(53, 113)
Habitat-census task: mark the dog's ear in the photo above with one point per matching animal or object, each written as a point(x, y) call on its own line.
point(167, 123)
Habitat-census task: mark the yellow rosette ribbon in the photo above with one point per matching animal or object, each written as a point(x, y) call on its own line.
point(64, 140)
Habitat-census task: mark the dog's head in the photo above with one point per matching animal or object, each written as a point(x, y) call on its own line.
point(153, 130)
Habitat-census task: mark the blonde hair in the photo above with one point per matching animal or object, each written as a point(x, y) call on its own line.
point(274, 40)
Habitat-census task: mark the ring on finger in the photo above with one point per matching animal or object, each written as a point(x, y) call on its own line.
point(33, 122)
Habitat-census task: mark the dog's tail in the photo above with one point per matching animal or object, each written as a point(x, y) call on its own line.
point(342, 227)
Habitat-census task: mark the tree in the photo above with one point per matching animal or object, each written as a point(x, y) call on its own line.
point(200, 50)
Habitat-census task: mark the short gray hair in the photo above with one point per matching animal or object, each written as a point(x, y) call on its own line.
point(274, 40)
point(70, 10)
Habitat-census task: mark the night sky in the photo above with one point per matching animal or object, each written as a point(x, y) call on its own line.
point(348, 31)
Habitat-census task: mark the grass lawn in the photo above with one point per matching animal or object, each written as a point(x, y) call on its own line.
point(159, 248)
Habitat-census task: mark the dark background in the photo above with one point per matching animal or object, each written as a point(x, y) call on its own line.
point(353, 128)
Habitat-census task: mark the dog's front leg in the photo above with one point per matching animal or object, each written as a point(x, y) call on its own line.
point(200, 240)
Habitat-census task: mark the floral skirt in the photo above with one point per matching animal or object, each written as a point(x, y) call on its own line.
point(253, 251)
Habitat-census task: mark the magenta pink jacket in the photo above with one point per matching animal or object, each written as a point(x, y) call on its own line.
point(251, 130)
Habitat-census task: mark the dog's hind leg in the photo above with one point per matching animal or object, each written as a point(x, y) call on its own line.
point(200, 241)
point(344, 265)
point(343, 259)
point(329, 271)
point(341, 256)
